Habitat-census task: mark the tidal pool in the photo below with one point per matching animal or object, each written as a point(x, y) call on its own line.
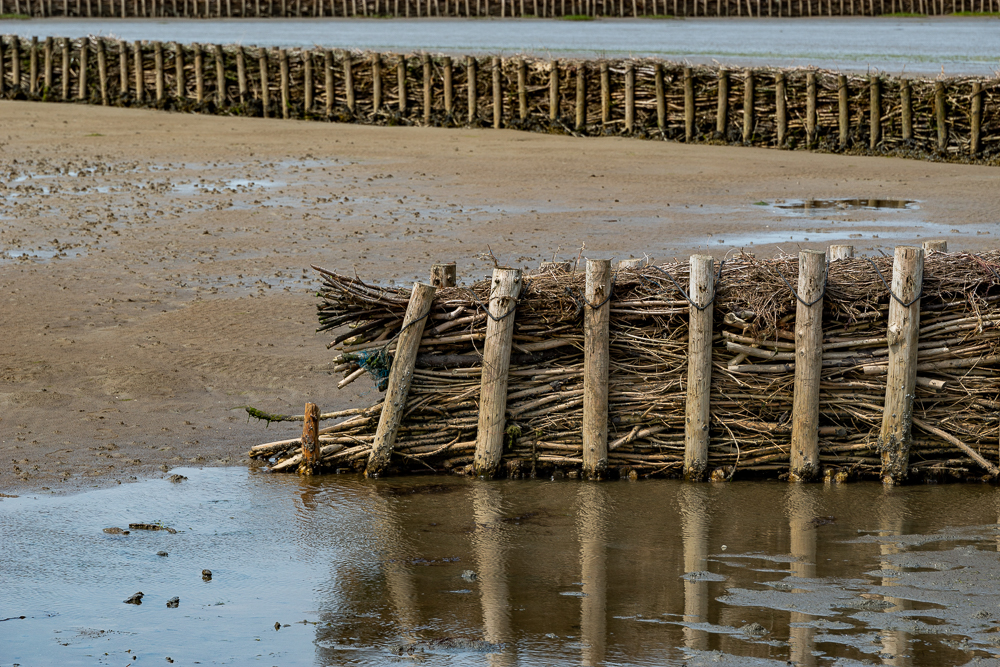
point(335, 570)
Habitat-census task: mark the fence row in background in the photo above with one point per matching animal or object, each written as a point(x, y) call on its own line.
point(495, 8)
point(955, 118)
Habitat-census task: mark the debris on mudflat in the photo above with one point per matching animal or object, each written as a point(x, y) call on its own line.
point(135, 599)
point(114, 530)
point(162, 554)
point(151, 526)
point(174, 602)
point(177, 479)
point(206, 575)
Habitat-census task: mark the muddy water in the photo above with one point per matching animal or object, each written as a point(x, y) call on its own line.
point(953, 45)
point(461, 572)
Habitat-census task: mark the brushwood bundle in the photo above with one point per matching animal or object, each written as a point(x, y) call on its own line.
point(753, 356)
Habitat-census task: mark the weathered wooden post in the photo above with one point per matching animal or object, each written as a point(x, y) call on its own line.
point(976, 118)
point(220, 76)
point(497, 93)
point(444, 274)
point(265, 83)
point(140, 72)
point(581, 97)
point(401, 84)
point(3, 70)
point(661, 97)
point(505, 289)
point(160, 75)
point(349, 82)
point(199, 73)
point(841, 252)
point(179, 72)
point(400, 377)
point(522, 89)
point(328, 91)
point(376, 83)
point(811, 109)
point(941, 115)
point(808, 365)
point(781, 108)
point(84, 66)
point(425, 61)
point(938, 245)
point(15, 60)
point(471, 75)
point(102, 74)
point(688, 105)
point(241, 74)
point(447, 75)
point(895, 436)
point(749, 119)
point(47, 65)
point(285, 83)
point(33, 66)
point(554, 91)
point(307, 82)
point(310, 439)
point(64, 75)
point(906, 112)
point(605, 93)
point(843, 111)
point(629, 96)
point(596, 364)
point(722, 113)
point(697, 412)
point(875, 112)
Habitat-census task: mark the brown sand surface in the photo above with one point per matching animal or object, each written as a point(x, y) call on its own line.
point(154, 266)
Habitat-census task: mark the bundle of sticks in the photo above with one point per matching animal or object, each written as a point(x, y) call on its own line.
point(955, 422)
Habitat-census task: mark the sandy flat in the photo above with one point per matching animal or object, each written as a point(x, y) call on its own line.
point(155, 273)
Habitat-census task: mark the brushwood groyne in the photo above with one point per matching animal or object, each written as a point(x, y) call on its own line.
point(955, 119)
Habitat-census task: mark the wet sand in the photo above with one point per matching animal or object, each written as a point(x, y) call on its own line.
point(155, 266)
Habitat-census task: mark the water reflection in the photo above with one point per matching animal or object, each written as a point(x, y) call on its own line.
point(595, 506)
point(693, 501)
point(489, 544)
point(802, 515)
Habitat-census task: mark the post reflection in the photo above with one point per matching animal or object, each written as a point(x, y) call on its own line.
point(895, 643)
point(801, 508)
point(693, 500)
point(488, 546)
point(593, 505)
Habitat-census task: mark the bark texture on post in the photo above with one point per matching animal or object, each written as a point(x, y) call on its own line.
point(310, 439)
point(220, 76)
point(425, 61)
point(400, 377)
point(697, 413)
point(554, 91)
point(895, 436)
point(749, 120)
point(780, 109)
point(841, 252)
point(140, 72)
point(605, 93)
point(285, 83)
point(808, 365)
point(906, 112)
point(504, 290)
point(449, 93)
point(497, 94)
point(811, 109)
point(843, 110)
point(470, 76)
point(875, 113)
point(976, 118)
point(688, 105)
point(629, 96)
point(522, 89)
point(444, 275)
point(161, 83)
point(596, 364)
point(722, 111)
point(401, 82)
point(937, 245)
point(661, 98)
point(941, 115)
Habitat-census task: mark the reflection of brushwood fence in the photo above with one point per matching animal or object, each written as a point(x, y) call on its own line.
point(956, 119)
point(497, 8)
point(783, 366)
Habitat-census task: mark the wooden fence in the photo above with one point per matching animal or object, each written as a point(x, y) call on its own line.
point(956, 119)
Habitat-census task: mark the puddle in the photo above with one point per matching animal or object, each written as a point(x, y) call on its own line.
point(844, 204)
point(337, 569)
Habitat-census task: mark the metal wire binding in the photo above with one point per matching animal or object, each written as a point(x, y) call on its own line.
point(826, 275)
point(718, 279)
point(893, 294)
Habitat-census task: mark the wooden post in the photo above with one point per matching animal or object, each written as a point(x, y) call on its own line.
point(906, 102)
point(285, 83)
point(722, 113)
point(444, 274)
point(841, 252)
point(349, 82)
point(310, 439)
point(47, 65)
point(33, 65)
point(596, 362)
point(699, 379)
point(199, 73)
point(64, 75)
point(470, 76)
point(328, 91)
point(158, 66)
point(400, 377)
point(688, 105)
point(977, 118)
point(661, 97)
point(84, 64)
point(581, 97)
point(265, 84)
point(938, 245)
point(102, 73)
point(631, 264)
point(553, 91)
point(179, 72)
point(241, 74)
point(425, 60)
point(843, 115)
point(497, 94)
point(605, 93)
point(811, 109)
point(808, 365)
point(307, 82)
point(781, 108)
point(220, 77)
point(903, 332)
point(15, 60)
point(522, 89)
point(748, 107)
point(123, 77)
point(629, 96)
point(875, 115)
point(140, 72)
point(504, 291)
point(941, 115)
point(401, 84)
point(376, 83)
point(3, 69)
point(449, 92)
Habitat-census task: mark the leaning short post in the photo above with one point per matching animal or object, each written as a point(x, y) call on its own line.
point(808, 365)
point(158, 66)
point(904, 327)
point(843, 111)
point(699, 380)
point(470, 75)
point(581, 97)
point(780, 108)
point(941, 115)
point(554, 91)
point(285, 83)
point(906, 114)
point(722, 112)
point(688, 105)
point(497, 94)
point(504, 290)
point(811, 109)
point(444, 274)
point(400, 377)
point(596, 363)
point(977, 118)
point(875, 112)
point(140, 72)
point(629, 96)
point(310, 439)
point(748, 107)
point(841, 252)
point(937, 245)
